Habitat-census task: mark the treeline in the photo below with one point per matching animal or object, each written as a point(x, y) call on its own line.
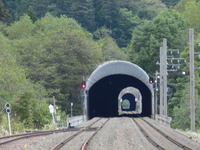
point(117, 15)
point(47, 58)
point(49, 46)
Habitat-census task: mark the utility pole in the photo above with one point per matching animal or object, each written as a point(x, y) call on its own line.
point(163, 78)
point(165, 75)
point(156, 93)
point(192, 80)
point(161, 81)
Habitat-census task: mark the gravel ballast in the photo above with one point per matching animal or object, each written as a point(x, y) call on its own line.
point(120, 133)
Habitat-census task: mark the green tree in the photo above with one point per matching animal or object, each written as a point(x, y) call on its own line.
point(4, 15)
point(171, 3)
point(31, 13)
point(57, 54)
point(127, 21)
point(21, 29)
point(145, 9)
point(110, 50)
point(180, 105)
point(107, 13)
point(14, 83)
point(147, 39)
point(191, 14)
point(18, 8)
point(149, 9)
point(33, 113)
point(83, 12)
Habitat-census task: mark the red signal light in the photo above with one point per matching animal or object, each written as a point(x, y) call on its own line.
point(83, 85)
point(151, 81)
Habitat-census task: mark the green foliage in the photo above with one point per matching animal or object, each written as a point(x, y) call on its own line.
point(14, 84)
point(57, 52)
point(31, 13)
point(126, 23)
point(170, 3)
point(11, 74)
point(181, 107)
point(191, 13)
point(21, 29)
point(49, 55)
point(119, 16)
point(84, 12)
point(110, 50)
point(147, 38)
point(102, 32)
point(4, 15)
point(33, 113)
point(147, 9)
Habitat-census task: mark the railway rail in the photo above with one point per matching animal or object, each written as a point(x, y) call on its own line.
point(88, 128)
point(12, 138)
point(155, 143)
point(148, 136)
point(84, 147)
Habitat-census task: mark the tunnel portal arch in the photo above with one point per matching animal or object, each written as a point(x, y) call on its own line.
point(107, 81)
point(135, 98)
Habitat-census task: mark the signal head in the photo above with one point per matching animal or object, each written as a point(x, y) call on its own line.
point(151, 80)
point(83, 85)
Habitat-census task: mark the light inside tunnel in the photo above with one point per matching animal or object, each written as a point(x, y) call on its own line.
point(131, 96)
point(126, 105)
point(103, 95)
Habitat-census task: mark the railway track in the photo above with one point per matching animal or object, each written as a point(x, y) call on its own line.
point(88, 128)
point(16, 137)
point(152, 140)
point(84, 147)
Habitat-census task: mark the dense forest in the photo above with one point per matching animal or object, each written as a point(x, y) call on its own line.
point(49, 47)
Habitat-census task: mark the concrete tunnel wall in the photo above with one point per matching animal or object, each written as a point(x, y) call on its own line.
point(107, 81)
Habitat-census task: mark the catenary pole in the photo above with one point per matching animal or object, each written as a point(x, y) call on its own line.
point(165, 76)
point(192, 80)
point(161, 81)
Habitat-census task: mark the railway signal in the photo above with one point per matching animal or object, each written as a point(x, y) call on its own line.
point(8, 111)
point(151, 81)
point(83, 85)
point(7, 105)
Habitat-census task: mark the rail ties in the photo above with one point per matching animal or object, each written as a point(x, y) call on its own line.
point(88, 128)
point(168, 137)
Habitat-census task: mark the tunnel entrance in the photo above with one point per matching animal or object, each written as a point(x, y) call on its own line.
point(130, 101)
point(103, 95)
point(103, 87)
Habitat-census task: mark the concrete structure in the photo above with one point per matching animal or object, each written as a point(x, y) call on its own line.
point(106, 83)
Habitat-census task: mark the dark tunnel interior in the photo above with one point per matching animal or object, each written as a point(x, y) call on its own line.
point(132, 102)
point(103, 95)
